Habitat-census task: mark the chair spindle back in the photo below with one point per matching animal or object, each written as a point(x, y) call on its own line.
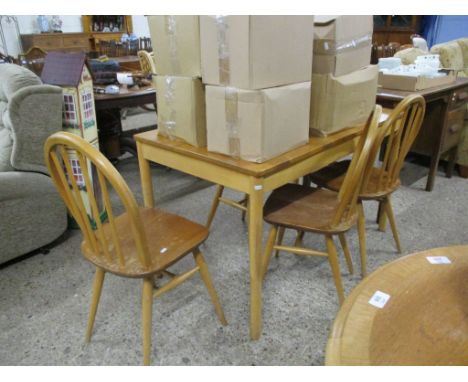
point(403, 124)
point(73, 165)
point(354, 178)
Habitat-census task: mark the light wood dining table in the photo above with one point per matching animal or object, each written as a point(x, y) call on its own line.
point(254, 179)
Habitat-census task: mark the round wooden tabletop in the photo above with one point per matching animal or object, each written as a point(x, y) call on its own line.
point(412, 311)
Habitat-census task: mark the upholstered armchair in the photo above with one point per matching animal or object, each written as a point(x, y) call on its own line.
point(31, 212)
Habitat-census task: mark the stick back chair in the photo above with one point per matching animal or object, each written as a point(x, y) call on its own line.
point(147, 62)
point(139, 243)
point(403, 125)
point(322, 211)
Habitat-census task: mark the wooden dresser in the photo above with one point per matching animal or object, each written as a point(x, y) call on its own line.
point(443, 122)
point(70, 42)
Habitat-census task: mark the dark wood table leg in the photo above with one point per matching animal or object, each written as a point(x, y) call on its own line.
point(435, 157)
point(451, 162)
point(109, 131)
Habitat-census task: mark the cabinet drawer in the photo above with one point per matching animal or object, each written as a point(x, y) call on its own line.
point(459, 97)
point(455, 122)
point(76, 42)
point(48, 42)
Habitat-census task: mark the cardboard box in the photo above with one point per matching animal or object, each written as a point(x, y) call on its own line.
point(409, 83)
point(176, 43)
point(340, 102)
point(342, 44)
point(256, 52)
point(257, 125)
point(181, 109)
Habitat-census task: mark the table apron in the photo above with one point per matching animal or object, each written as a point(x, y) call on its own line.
point(308, 165)
point(240, 181)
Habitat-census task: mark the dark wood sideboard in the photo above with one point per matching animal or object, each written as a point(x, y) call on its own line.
point(443, 122)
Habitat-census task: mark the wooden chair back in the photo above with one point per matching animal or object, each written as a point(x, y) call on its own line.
point(33, 59)
point(353, 181)
point(73, 165)
point(401, 127)
point(145, 44)
point(147, 62)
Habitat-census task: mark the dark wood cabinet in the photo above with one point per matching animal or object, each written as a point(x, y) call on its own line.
point(396, 28)
point(69, 42)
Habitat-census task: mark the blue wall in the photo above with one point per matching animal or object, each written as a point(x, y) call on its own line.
point(438, 29)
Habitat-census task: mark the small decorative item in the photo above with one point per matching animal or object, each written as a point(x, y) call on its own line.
point(56, 24)
point(43, 23)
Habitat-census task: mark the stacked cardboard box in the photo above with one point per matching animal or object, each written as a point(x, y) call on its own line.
point(179, 89)
point(257, 70)
point(344, 84)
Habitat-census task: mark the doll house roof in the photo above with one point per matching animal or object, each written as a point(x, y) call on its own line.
point(63, 69)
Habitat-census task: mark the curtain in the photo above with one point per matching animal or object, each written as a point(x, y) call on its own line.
point(438, 29)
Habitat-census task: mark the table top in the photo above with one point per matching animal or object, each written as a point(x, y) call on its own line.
point(125, 93)
point(315, 146)
point(423, 322)
point(398, 95)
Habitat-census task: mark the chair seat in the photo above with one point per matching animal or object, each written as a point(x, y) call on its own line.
point(169, 237)
point(332, 177)
point(306, 209)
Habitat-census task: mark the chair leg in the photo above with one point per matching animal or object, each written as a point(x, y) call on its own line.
point(335, 266)
point(214, 205)
point(96, 295)
point(391, 218)
point(362, 238)
point(147, 315)
point(298, 242)
point(205, 275)
point(382, 216)
point(244, 213)
point(344, 245)
point(281, 231)
point(269, 249)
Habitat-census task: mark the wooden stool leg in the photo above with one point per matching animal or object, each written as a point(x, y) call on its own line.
point(96, 295)
point(344, 245)
point(269, 249)
point(214, 205)
point(362, 238)
point(382, 216)
point(391, 218)
point(335, 266)
point(147, 314)
point(205, 275)
point(280, 238)
point(298, 242)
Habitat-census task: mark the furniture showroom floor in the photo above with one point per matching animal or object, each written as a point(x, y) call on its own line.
point(45, 298)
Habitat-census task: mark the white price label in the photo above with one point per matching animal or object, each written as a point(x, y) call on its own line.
point(379, 299)
point(438, 259)
point(258, 187)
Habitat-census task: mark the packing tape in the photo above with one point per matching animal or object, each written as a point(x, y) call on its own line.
point(169, 125)
point(223, 50)
point(170, 25)
point(230, 97)
point(330, 47)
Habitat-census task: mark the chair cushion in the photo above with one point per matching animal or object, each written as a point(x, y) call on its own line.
point(463, 43)
point(450, 55)
point(408, 56)
point(6, 142)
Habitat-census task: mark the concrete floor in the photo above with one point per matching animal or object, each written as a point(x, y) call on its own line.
point(44, 299)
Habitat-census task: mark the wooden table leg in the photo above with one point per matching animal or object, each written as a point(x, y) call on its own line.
point(255, 249)
point(146, 181)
